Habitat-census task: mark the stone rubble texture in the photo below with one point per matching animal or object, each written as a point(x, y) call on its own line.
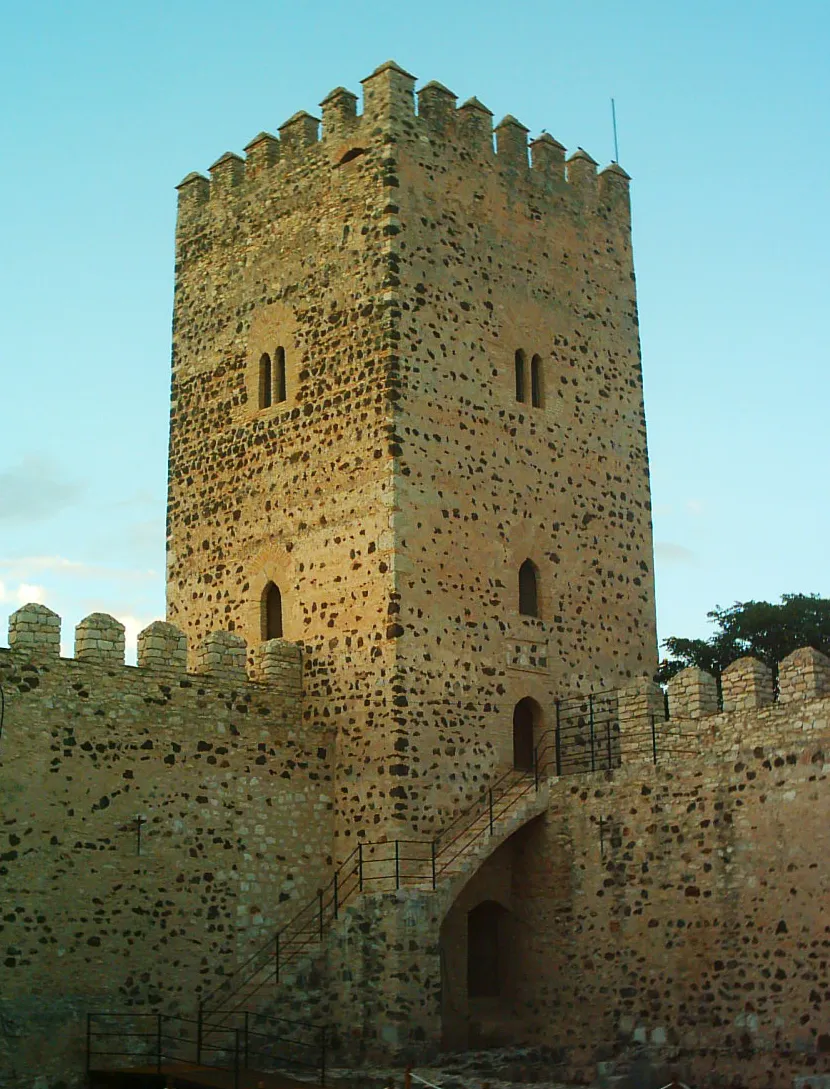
point(161, 822)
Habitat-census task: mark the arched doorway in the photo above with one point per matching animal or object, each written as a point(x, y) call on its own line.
point(485, 938)
point(526, 716)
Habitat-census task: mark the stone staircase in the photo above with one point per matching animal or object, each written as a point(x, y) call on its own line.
point(462, 854)
point(441, 865)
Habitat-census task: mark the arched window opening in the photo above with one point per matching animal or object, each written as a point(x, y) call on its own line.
point(536, 381)
point(520, 375)
point(271, 612)
point(279, 377)
point(525, 718)
point(485, 939)
point(352, 153)
point(265, 381)
point(528, 589)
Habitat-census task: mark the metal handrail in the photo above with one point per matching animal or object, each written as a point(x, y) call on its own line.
point(167, 1047)
point(577, 719)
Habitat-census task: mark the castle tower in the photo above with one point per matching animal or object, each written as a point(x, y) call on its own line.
point(407, 431)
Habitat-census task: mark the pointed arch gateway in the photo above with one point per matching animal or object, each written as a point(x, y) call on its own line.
point(271, 612)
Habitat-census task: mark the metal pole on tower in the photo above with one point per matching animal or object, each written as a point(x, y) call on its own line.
point(614, 123)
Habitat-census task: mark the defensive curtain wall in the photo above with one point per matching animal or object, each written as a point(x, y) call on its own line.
point(158, 823)
point(154, 822)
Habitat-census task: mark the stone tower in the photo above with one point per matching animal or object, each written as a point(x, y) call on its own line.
point(407, 431)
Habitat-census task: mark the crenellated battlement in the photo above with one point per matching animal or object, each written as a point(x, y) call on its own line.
point(392, 111)
point(35, 633)
point(749, 711)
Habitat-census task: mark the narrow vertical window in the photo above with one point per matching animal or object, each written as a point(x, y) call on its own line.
point(265, 381)
point(528, 589)
point(279, 377)
point(536, 382)
point(271, 612)
point(520, 375)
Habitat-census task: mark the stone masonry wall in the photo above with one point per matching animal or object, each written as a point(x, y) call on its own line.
point(400, 261)
point(685, 904)
point(235, 804)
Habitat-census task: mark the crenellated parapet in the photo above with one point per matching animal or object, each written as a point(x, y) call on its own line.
point(804, 675)
point(35, 634)
point(392, 111)
point(747, 686)
point(100, 638)
point(162, 646)
point(35, 631)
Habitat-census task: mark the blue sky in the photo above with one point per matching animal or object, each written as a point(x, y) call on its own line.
point(723, 113)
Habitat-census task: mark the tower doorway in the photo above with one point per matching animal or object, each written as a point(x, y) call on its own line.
point(526, 715)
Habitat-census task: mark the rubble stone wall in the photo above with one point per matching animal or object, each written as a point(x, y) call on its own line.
point(155, 828)
point(685, 904)
point(401, 259)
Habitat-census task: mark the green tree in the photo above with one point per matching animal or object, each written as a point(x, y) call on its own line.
point(757, 628)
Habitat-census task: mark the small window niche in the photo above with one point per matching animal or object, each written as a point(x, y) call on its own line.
point(536, 390)
point(521, 394)
point(266, 382)
point(279, 376)
point(528, 589)
point(271, 613)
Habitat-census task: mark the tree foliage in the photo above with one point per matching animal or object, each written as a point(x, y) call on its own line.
point(757, 628)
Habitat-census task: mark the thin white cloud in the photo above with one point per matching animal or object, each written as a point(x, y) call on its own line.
point(674, 555)
point(24, 566)
point(35, 489)
point(695, 507)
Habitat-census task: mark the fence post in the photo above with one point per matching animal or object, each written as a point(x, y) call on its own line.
point(245, 1038)
point(199, 1019)
point(320, 900)
point(335, 893)
point(277, 957)
point(89, 1041)
point(322, 1055)
point(432, 852)
point(236, 1059)
point(591, 720)
point(490, 803)
point(360, 867)
point(397, 867)
point(158, 1042)
point(653, 739)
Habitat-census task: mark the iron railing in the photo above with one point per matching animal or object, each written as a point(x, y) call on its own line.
point(586, 738)
point(160, 1043)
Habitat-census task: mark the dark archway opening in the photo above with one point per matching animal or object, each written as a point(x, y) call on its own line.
point(519, 361)
point(265, 382)
point(352, 153)
point(536, 382)
point(528, 589)
point(271, 612)
point(525, 715)
point(279, 383)
point(484, 954)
